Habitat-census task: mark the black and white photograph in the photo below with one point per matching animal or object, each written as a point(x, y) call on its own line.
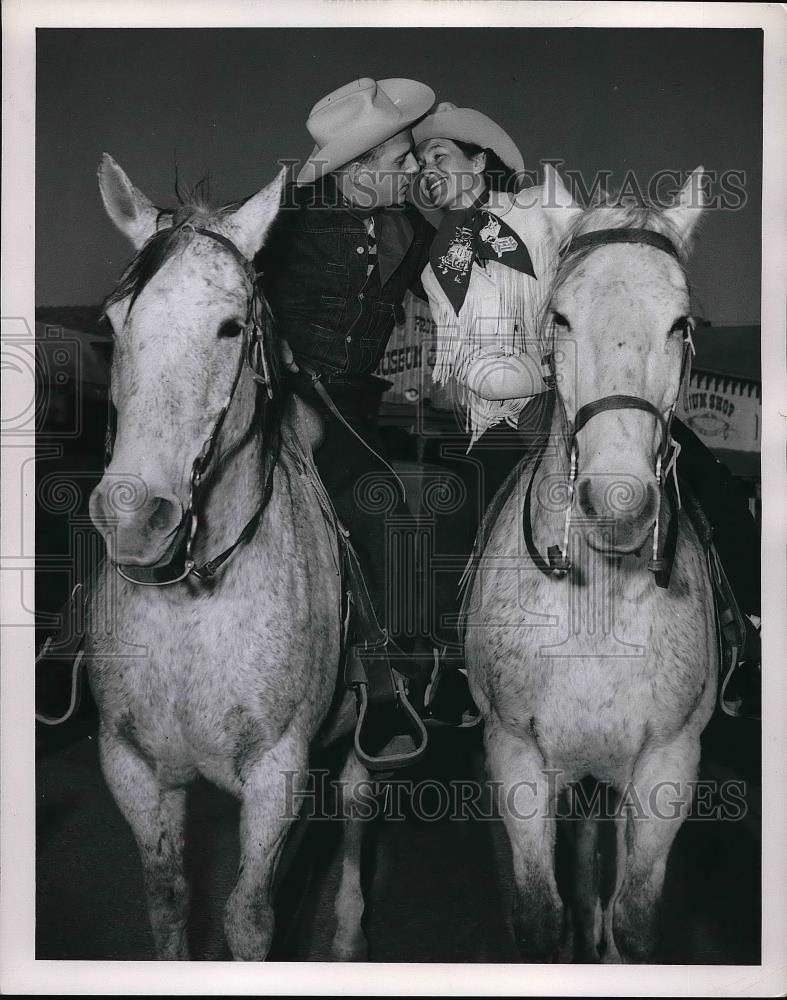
point(393, 543)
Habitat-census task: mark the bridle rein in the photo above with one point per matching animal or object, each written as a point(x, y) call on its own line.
point(255, 341)
point(557, 563)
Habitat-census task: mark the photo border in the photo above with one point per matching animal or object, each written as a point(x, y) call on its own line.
point(20, 971)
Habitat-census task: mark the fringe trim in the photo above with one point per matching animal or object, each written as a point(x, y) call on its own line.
point(461, 339)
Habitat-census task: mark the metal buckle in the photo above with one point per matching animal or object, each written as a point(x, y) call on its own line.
point(558, 557)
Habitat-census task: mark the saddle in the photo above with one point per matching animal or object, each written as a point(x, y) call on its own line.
point(737, 637)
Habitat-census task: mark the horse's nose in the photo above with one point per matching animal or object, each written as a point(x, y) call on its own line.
point(140, 519)
point(619, 499)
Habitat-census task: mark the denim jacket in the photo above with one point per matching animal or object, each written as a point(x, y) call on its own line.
point(314, 274)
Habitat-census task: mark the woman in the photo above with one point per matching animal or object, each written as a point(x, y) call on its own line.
point(490, 263)
point(490, 268)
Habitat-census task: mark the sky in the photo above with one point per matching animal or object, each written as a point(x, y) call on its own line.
point(232, 103)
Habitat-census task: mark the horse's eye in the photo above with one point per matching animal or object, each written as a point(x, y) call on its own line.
point(560, 320)
point(679, 326)
point(230, 329)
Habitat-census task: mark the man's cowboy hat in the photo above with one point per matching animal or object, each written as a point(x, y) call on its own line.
point(450, 122)
point(359, 116)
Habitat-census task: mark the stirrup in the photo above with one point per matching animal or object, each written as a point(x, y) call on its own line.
point(386, 717)
point(746, 667)
point(470, 718)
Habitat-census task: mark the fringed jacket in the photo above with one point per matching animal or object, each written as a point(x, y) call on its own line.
point(501, 313)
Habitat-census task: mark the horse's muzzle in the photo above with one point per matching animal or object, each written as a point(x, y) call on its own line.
point(139, 525)
point(618, 517)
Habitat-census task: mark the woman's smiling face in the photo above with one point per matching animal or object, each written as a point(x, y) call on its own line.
point(448, 177)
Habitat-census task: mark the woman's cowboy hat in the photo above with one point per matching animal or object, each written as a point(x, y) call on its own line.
point(359, 116)
point(450, 122)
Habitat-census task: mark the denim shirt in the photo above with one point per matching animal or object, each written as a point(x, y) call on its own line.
point(314, 274)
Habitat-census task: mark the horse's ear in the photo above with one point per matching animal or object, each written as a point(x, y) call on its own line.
point(133, 213)
point(250, 223)
point(558, 203)
point(689, 205)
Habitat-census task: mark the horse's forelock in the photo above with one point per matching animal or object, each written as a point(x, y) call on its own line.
point(148, 260)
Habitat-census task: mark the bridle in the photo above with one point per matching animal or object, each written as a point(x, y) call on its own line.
point(255, 342)
point(557, 563)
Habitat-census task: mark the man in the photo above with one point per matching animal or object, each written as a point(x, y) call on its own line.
point(344, 250)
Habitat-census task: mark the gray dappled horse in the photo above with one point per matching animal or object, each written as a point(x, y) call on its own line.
point(230, 670)
point(580, 663)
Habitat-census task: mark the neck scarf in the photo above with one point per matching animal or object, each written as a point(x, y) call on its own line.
point(473, 234)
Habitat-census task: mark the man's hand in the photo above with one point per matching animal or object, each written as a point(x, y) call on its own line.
point(286, 356)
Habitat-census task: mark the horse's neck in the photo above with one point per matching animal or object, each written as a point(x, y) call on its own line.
point(236, 487)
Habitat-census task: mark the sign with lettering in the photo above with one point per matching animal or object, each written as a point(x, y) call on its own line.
point(409, 359)
point(726, 413)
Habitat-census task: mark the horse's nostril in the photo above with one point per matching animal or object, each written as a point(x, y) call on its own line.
point(585, 501)
point(133, 511)
point(164, 515)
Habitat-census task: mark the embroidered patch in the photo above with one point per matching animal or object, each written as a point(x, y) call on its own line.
point(458, 258)
point(490, 234)
point(469, 234)
point(504, 245)
point(491, 230)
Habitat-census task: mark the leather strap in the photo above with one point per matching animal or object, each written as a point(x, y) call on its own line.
point(619, 402)
point(67, 643)
point(386, 717)
point(527, 523)
point(209, 568)
point(662, 568)
point(605, 237)
point(379, 684)
point(227, 243)
point(325, 398)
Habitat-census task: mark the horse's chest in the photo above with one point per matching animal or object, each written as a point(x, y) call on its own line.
point(591, 666)
point(203, 685)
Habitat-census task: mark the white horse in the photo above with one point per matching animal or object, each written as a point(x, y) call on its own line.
point(580, 663)
point(229, 674)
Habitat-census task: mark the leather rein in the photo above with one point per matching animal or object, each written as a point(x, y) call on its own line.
point(255, 341)
point(557, 563)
